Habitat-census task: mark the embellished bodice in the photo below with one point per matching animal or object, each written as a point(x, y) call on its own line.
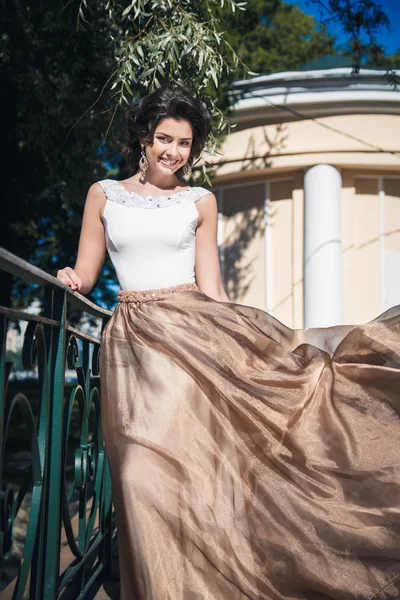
point(151, 239)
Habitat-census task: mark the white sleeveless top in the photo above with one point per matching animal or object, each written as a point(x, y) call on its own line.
point(151, 239)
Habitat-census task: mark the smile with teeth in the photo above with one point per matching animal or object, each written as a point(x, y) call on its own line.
point(169, 163)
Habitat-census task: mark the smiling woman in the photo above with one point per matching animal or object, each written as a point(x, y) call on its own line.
point(168, 153)
point(248, 460)
point(153, 123)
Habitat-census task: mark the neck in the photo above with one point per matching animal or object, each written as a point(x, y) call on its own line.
point(159, 180)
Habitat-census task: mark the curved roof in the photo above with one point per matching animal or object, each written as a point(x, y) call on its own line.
point(294, 95)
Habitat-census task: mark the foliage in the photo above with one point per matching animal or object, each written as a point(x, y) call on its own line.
point(52, 75)
point(174, 41)
point(361, 20)
point(272, 36)
point(16, 359)
point(66, 66)
point(70, 66)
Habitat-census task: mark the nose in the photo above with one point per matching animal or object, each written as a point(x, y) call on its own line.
point(172, 150)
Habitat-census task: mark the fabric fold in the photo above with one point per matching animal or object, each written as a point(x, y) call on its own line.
point(249, 460)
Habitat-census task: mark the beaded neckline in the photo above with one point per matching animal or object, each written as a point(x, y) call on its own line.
point(116, 192)
point(187, 189)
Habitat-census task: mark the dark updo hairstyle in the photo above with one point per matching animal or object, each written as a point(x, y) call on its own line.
point(166, 102)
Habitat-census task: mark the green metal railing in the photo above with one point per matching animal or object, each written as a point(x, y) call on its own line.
point(55, 426)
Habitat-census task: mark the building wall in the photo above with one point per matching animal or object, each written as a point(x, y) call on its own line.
point(262, 245)
point(286, 124)
point(263, 260)
point(346, 140)
point(371, 244)
point(243, 243)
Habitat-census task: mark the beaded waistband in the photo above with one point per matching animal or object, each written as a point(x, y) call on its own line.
point(157, 294)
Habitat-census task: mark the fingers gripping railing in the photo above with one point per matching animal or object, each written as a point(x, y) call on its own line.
point(56, 521)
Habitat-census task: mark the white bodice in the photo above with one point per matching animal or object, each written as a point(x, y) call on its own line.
point(151, 239)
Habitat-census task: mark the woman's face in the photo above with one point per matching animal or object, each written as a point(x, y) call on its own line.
point(171, 146)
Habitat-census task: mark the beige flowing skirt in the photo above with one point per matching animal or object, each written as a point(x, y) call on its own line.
point(250, 461)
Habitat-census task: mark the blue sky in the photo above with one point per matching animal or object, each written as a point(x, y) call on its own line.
point(389, 40)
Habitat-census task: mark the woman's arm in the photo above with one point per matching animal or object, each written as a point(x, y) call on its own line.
point(208, 275)
point(92, 245)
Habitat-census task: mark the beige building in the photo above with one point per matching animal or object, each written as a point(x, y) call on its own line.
point(308, 187)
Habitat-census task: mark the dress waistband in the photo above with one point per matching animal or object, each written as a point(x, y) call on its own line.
point(157, 294)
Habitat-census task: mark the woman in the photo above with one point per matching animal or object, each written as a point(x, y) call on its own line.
point(247, 460)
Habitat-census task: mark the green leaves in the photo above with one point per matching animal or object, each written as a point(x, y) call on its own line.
point(137, 7)
point(361, 20)
point(273, 36)
point(172, 41)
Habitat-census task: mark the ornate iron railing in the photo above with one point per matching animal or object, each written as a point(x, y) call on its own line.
point(54, 477)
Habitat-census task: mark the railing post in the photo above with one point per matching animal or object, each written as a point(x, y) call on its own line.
point(54, 454)
point(106, 544)
point(106, 515)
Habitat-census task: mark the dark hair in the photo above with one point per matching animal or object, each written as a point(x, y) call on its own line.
point(166, 102)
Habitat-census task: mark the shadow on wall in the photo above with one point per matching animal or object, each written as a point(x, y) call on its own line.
point(244, 223)
point(261, 144)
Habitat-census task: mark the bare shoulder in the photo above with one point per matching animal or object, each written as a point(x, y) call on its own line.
point(207, 207)
point(96, 192)
point(95, 199)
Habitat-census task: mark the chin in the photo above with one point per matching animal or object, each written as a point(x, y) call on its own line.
point(169, 170)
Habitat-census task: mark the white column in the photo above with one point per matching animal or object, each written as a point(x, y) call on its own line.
point(267, 248)
point(323, 269)
point(382, 244)
point(220, 234)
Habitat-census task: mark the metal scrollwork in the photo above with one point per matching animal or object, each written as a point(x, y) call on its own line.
point(60, 492)
point(89, 458)
point(19, 406)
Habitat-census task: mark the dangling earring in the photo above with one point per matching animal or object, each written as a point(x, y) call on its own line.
point(187, 171)
point(143, 163)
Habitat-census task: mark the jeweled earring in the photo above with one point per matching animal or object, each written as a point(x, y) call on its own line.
point(143, 162)
point(187, 171)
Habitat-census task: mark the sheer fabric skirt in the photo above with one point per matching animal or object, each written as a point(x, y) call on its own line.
point(250, 461)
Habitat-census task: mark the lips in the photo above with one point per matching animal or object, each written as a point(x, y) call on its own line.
point(169, 163)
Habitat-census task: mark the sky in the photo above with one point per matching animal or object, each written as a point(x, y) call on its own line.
point(389, 40)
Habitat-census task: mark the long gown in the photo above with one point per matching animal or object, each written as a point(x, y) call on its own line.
point(248, 460)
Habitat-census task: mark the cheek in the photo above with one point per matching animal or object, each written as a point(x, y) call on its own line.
point(156, 149)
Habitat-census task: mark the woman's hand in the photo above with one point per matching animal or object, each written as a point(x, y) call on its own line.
point(70, 278)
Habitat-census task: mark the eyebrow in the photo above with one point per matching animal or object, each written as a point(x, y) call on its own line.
point(167, 135)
